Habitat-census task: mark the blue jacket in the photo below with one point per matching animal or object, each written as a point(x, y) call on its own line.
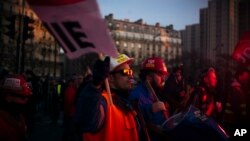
point(144, 99)
point(89, 116)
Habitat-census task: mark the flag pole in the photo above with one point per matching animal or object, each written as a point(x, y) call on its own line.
point(152, 92)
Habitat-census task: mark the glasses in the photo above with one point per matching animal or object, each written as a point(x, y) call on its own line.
point(124, 72)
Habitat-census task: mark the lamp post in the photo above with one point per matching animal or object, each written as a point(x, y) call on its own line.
point(43, 53)
point(19, 39)
point(55, 55)
point(49, 53)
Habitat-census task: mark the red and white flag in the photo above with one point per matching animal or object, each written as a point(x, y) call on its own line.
point(241, 52)
point(77, 25)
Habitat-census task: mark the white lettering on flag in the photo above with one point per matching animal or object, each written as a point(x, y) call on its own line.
point(78, 26)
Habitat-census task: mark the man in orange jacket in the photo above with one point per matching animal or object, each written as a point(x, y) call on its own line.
point(105, 117)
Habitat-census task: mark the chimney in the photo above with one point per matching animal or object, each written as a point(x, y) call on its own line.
point(109, 17)
point(157, 24)
point(140, 21)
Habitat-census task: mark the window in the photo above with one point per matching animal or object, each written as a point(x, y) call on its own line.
point(110, 24)
point(117, 34)
point(117, 42)
point(130, 35)
point(137, 36)
point(123, 34)
point(159, 49)
point(117, 25)
point(139, 45)
point(125, 45)
point(132, 45)
point(132, 28)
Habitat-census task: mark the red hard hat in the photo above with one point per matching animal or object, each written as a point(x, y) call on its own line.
point(155, 64)
point(15, 84)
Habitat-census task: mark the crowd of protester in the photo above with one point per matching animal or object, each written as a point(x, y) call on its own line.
point(104, 104)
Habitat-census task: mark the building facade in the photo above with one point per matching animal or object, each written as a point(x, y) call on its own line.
point(191, 49)
point(137, 40)
point(221, 25)
point(40, 52)
point(140, 40)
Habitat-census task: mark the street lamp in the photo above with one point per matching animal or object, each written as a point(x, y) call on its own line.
point(55, 55)
point(43, 52)
point(49, 53)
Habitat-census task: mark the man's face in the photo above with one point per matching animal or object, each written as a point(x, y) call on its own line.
point(211, 80)
point(244, 78)
point(121, 79)
point(158, 80)
point(178, 75)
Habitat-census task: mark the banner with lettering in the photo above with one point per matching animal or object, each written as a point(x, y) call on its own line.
point(241, 52)
point(77, 25)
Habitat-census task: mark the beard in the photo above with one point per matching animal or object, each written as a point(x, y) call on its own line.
point(157, 88)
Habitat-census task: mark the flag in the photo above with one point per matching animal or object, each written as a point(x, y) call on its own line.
point(241, 52)
point(77, 25)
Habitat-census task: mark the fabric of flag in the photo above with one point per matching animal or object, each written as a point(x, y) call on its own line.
point(241, 52)
point(194, 125)
point(77, 25)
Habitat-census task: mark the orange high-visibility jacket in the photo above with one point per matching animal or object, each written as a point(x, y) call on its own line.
point(118, 126)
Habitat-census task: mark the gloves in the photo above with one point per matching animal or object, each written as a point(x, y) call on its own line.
point(100, 71)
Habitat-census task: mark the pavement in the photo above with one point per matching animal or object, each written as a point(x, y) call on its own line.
point(44, 130)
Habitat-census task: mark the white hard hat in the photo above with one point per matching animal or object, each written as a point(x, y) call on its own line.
point(121, 59)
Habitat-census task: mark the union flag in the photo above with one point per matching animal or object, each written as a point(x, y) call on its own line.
point(241, 52)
